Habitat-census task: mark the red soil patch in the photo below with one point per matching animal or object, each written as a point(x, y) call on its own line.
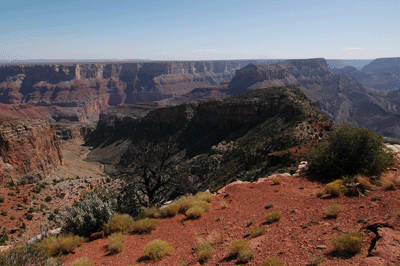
point(302, 234)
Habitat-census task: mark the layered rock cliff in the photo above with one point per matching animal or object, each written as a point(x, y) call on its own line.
point(92, 87)
point(29, 150)
point(342, 98)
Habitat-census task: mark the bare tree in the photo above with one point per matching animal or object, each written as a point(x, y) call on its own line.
point(152, 173)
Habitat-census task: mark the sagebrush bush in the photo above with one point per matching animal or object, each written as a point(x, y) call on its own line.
point(90, 213)
point(349, 243)
point(350, 151)
point(204, 250)
point(195, 212)
point(144, 226)
point(245, 255)
point(257, 231)
point(333, 211)
point(116, 242)
point(122, 223)
point(157, 249)
point(273, 217)
point(62, 244)
point(336, 188)
point(83, 262)
point(272, 262)
point(237, 245)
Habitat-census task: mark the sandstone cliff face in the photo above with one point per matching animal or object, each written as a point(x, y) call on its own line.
point(29, 150)
point(91, 87)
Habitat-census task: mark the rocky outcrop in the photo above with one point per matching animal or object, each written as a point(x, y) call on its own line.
point(233, 134)
point(92, 87)
point(29, 150)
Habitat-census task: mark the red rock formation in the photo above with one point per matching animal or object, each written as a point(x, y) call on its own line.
point(29, 149)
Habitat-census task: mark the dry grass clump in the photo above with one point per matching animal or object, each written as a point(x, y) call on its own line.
point(157, 249)
point(257, 231)
point(349, 243)
point(204, 250)
point(277, 181)
point(336, 188)
point(119, 223)
point(195, 212)
point(204, 196)
point(333, 211)
point(83, 262)
point(151, 212)
point(390, 181)
point(273, 217)
point(116, 242)
point(272, 262)
point(144, 226)
point(395, 213)
point(183, 263)
point(245, 255)
point(237, 245)
point(62, 244)
point(170, 211)
point(319, 192)
point(216, 238)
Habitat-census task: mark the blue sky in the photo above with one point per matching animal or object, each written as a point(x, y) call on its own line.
point(199, 30)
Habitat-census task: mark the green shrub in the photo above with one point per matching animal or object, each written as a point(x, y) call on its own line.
point(1, 199)
point(3, 237)
point(119, 223)
point(144, 226)
point(273, 217)
point(336, 188)
point(48, 199)
point(349, 243)
point(157, 249)
point(62, 244)
point(257, 231)
point(272, 262)
point(90, 214)
point(195, 212)
point(204, 250)
point(116, 242)
point(350, 151)
point(245, 255)
point(333, 211)
point(237, 245)
point(83, 262)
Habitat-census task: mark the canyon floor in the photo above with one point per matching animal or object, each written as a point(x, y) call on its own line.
point(301, 236)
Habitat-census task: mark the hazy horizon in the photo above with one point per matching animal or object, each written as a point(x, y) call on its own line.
point(198, 30)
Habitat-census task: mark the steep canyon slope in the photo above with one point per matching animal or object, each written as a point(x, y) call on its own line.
point(220, 140)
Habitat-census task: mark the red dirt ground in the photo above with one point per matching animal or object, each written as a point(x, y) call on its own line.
point(304, 233)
